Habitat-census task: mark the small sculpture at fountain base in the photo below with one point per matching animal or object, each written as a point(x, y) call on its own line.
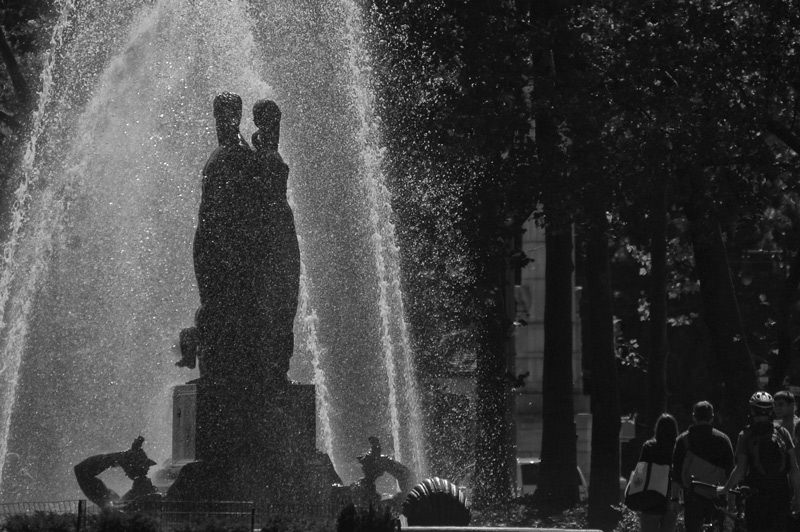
point(363, 492)
point(436, 502)
point(134, 462)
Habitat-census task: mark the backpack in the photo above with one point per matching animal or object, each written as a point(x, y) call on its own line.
point(700, 469)
point(768, 452)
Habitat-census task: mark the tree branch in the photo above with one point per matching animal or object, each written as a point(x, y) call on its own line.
point(784, 134)
point(10, 121)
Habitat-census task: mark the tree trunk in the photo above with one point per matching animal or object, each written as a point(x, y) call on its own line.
point(721, 315)
point(785, 364)
point(492, 479)
point(557, 489)
point(659, 348)
point(598, 325)
point(14, 72)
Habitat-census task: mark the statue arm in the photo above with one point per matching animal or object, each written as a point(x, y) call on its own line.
point(94, 465)
point(401, 473)
point(86, 473)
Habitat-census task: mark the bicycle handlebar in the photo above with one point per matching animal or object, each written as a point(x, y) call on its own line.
point(741, 490)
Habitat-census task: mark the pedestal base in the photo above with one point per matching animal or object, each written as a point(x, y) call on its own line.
point(257, 443)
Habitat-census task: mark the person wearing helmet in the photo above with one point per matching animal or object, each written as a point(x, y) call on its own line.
point(761, 403)
point(766, 461)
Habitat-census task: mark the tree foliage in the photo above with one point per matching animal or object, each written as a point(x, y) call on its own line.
point(695, 92)
point(23, 28)
point(696, 100)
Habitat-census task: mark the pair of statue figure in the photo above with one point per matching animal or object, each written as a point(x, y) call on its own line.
point(246, 254)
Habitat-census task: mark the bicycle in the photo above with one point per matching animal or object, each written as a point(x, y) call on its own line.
point(725, 520)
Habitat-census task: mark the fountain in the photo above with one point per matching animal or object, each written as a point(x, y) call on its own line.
point(98, 272)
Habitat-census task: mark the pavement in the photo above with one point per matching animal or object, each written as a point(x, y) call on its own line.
point(489, 529)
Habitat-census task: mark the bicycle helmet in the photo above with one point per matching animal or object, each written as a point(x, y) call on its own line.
point(761, 404)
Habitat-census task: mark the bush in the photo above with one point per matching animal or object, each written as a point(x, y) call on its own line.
point(275, 523)
point(121, 522)
point(214, 527)
point(40, 522)
point(352, 519)
point(629, 520)
point(142, 522)
point(282, 523)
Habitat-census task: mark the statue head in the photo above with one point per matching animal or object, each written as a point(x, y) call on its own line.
point(228, 114)
point(375, 446)
point(135, 462)
point(267, 118)
point(137, 465)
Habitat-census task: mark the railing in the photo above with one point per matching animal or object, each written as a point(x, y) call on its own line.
point(177, 514)
point(169, 515)
point(27, 508)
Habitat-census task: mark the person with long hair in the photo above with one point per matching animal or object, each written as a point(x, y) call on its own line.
point(658, 450)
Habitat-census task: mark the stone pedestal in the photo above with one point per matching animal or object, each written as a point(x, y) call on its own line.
point(252, 442)
point(184, 405)
point(252, 419)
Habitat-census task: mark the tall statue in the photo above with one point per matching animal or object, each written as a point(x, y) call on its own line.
point(246, 254)
point(217, 250)
point(278, 252)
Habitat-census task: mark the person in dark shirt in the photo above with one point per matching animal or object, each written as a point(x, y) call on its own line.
point(710, 445)
point(785, 415)
point(785, 412)
point(661, 518)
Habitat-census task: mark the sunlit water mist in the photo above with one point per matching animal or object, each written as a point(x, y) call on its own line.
point(404, 408)
point(309, 321)
point(98, 275)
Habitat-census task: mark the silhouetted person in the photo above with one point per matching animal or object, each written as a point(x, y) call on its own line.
point(784, 408)
point(659, 450)
point(134, 462)
point(785, 411)
point(766, 461)
point(712, 455)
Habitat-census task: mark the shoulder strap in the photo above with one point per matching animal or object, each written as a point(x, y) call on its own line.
point(786, 438)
